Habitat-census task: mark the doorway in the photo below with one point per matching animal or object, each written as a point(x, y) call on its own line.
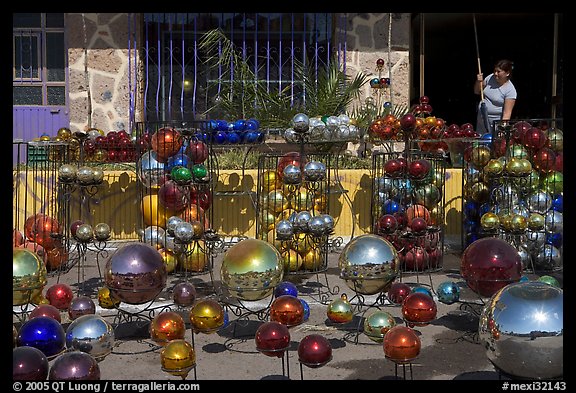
point(451, 61)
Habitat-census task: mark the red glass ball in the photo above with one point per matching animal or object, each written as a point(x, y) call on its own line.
point(418, 169)
point(408, 122)
point(489, 264)
point(167, 326)
point(290, 158)
point(287, 310)
point(387, 223)
point(544, 159)
point(419, 309)
point(380, 62)
point(184, 293)
point(520, 128)
point(60, 296)
point(559, 162)
point(534, 138)
point(398, 292)
point(17, 238)
point(314, 351)
point(401, 344)
point(197, 151)
point(202, 198)
point(74, 226)
point(424, 100)
point(434, 258)
point(44, 227)
point(272, 339)
point(46, 310)
point(415, 259)
point(172, 196)
point(418, 225)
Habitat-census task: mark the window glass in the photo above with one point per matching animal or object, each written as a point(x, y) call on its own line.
point(26, 20)
point(55, 20)
point(55, 58)
point(26, 65)
point(27, 95)
point(56, 95)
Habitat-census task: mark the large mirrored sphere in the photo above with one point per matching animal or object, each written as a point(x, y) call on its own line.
point(369, 264)
point(135, 273)
point(91, 334)
point(522, 329)
point(251, 269)
point(28, 276)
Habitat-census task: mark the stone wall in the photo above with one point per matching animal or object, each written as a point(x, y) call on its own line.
point(99, 60)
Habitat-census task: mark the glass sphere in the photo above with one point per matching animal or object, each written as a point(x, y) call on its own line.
point(522, 330)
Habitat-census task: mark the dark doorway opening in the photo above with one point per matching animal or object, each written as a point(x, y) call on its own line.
point(451, 61)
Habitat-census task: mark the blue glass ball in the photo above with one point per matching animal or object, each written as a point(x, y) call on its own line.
point(484, 208)
point(212, 125)
point(251, 137)
point(43, 333)
point(286, 288)
point(448, 292)
point(487, 136)
point(240, 125)
point(234, 138)
point(422, 289)
point(555, 239)
point(524, 278)
point(226, 319)
point(471, 209)
point(387, 105)
point(261, 137)
point(220, 137)
point(251, 125)
point(230, 127)
point(391, 206)
point(178, 159)
point(306, 309)
point(221, 125)
point(558, 203)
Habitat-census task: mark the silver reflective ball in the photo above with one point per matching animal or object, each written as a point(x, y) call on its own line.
point(85, 175)
point(301, 221)
point(284, 230)
point(344, 119)
point(84, 232)
point(329, 222)
point(539, 202)
point(525, 258)
point(314, 171)
point(522, 330)
point(91, 334)
point(548, 258)
point(332, 123)
point(369, 264)
point(67, 173)
point(554, 221)
point(343, 132)
point(154, 236)
point(184, 232)
point(102, 231)
point(354, 132)
point(317, 226)
point(300, 123)
point(171, 224)
point(97, 175)
point(169, 243)
point(291, 174)
point(93, 134)
point(290, 135)
point(149, 170)
point(535, 239)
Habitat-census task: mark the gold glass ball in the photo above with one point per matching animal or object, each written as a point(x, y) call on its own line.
point(479, 156)
point(178, 358)
point(313, 260)
point(28, 276)
point(64, 133)
point(302, 244)
point(494, 167)
point(555, 139)
point(97, 175)
point(340, 310)
point(106, 299)
point(67, 173)
point(206, 316)
point(269, 181)
point(301, 200)
point(251, 269)
point(377, 324)
point(536, 221)
point(517, 151)
point(292, 260)
point(85, 175)
point(277, 202)
point(195, 258)
point(518, 223)
point(489, 221)
point(170, 260)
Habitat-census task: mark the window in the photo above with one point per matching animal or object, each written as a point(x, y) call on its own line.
point(179, 86)
point(39, 59)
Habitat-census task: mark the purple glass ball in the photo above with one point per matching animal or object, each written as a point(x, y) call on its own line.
point(29, 364)
point(81, 305)
point(74, 366)
point(184, 294)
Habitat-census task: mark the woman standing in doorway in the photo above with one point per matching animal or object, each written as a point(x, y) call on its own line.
point(499, 95)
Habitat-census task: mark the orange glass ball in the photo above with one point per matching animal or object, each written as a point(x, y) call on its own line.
point(419, 309)
point(167, 326)
point(166, 142)
point(401, 344)
point(287, 310)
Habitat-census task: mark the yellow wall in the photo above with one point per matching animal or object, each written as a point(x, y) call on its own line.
point(116, 202)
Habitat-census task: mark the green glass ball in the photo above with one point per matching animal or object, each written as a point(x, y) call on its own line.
point(181, 174)
point(199, 171)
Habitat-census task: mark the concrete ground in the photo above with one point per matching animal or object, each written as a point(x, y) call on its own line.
point(450, 349)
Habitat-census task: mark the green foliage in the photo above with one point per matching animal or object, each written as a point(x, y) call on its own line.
point(327, 92)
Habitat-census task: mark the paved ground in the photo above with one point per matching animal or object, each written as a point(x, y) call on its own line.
point(450, 349)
